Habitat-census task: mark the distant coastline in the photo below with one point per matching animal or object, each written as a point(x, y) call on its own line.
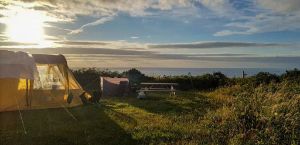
point(230, 72)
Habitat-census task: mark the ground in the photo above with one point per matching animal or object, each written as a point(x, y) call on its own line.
point(159, 118)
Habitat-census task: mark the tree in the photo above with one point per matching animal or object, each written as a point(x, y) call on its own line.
point(135, 76)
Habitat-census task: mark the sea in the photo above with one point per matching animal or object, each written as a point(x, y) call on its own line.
point(229, 72)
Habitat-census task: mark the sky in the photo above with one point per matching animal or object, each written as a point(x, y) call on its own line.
point(156, 33)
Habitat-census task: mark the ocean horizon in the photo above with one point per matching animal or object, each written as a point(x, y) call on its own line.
point(229, 72)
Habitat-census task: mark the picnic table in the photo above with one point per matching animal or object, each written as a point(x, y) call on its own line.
point(156, 87)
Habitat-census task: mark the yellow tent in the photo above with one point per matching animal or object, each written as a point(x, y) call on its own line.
point(36, 81)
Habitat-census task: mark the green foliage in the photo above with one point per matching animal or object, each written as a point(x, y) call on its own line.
point(135, 76)
point(201, 82)
point(266, 114)
point(89, 78)
point(292, 75)
point(265, 78)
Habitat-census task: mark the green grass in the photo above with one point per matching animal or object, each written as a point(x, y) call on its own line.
point(156, 119)
point(55, 126)
point(268, 114)
point(163, 119)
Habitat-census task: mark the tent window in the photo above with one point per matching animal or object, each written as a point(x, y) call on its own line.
point(22, 84)
point(49, 78)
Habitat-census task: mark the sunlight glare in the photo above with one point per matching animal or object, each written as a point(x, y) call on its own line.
point(26, 26)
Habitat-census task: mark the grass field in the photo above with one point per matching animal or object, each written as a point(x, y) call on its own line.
point(234, 115)
point(157, 119)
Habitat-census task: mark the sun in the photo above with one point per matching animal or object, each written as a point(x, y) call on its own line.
point(26, 26)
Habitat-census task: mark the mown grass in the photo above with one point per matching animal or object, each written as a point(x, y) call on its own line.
point(156, 119)
point(55, 126)
point(164, 119)
point(235, 115)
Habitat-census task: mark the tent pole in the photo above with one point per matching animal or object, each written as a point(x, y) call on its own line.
point(67, 110)
point(20, 115)
point(68, 81)
point(62, 69)
point(30, 91)
point(27, 93)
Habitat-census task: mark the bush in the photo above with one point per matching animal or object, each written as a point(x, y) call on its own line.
point(201, 82)
point(292, 75)
point(135, 76)
point(89, 78)
point(265, 78)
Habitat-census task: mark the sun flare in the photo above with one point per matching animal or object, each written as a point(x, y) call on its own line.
point(26, 26)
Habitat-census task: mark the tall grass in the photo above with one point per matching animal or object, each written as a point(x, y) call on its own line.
point(267, 114)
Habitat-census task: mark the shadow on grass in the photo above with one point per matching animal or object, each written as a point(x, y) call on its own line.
point(176, 118)
point(118, 116)
point(184, 102)
point(56, 126)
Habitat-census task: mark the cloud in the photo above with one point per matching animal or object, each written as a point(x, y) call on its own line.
point(82, 43)
point(134, 37)
point(220, 55)
point(2, 36)
point(100, 8)
point(194, 47)
point(204, 45)
point(65, 50)
point(212, 62)
point(261, 16)
point(229, 32)
point(106, 57)
point(9, 43)
point(221, 7)
point(240, 17)
point(68, 11)
point(60, 41)
point(95, 23)
point(280, 5)
point(262, 23)
point(117, 53)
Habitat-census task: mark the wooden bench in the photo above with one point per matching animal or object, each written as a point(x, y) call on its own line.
point(156, 87)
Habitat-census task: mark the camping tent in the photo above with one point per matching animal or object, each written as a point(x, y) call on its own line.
point(114, 86)
point(36, 81)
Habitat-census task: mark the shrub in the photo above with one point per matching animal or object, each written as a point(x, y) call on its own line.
point(89, 78)
point(265, 78)
point(135, 76)
point(200, 82)
point(291, 75)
